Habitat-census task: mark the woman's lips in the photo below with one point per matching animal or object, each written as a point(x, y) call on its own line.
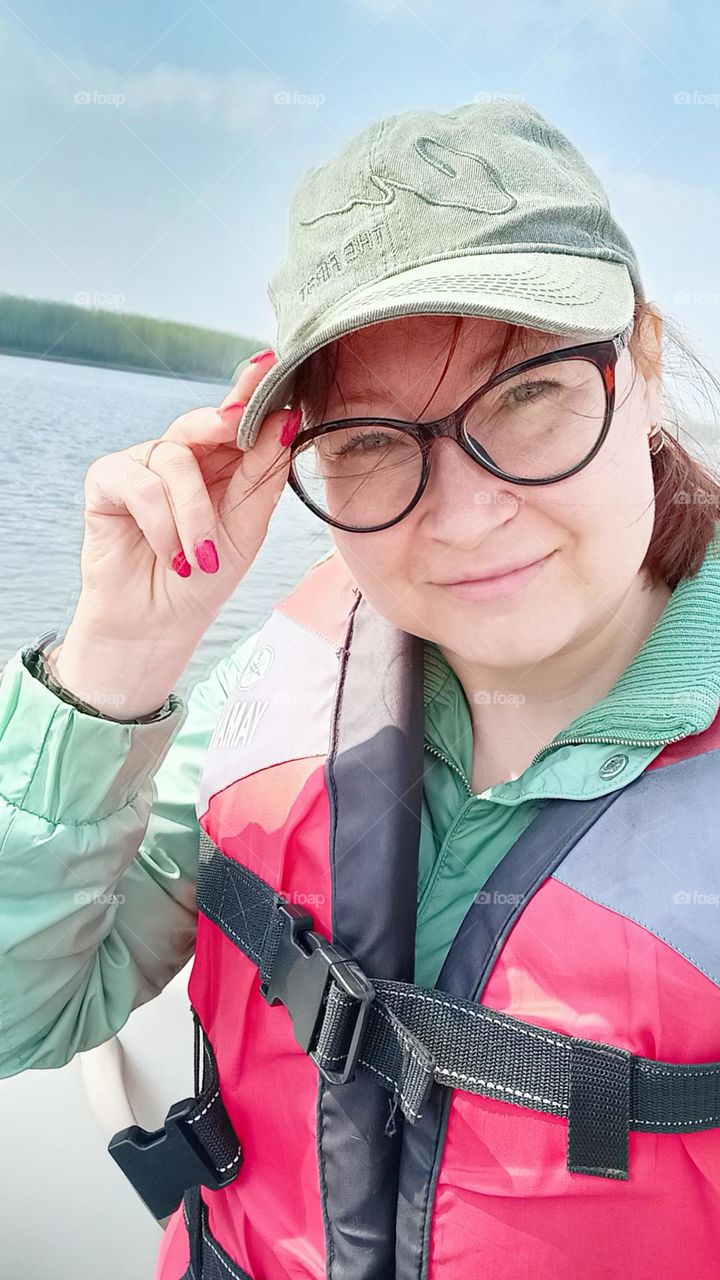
point(505, 584)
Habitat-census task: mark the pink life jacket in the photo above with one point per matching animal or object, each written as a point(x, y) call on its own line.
point(598, 927)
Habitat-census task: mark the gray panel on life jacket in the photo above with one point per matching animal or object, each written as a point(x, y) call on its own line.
point(655, 859)
point(374, 782)
point(246, 737)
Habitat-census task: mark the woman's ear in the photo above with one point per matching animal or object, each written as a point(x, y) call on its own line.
point(655, 323)
point(649, 360)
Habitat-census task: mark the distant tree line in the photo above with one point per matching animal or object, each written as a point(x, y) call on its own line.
point(66, 331)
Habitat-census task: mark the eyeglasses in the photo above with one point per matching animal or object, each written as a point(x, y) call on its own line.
point(366, 474)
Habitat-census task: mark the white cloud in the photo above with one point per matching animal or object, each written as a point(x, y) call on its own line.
point(671, 223)
point(233, 99)
point(631, 30)
point(33, 78)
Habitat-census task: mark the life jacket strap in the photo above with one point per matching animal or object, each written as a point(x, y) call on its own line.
point(412, 1039)
point(208, 1259)
point(196, 1145)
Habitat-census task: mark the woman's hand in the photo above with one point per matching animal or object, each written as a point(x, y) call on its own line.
point(190, 508)
point(199, 505)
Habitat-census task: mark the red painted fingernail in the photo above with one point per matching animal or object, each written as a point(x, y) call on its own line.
point(207, 556)
point(180, 565)
point(290, 427)
point(236, 404)
point(261, 355)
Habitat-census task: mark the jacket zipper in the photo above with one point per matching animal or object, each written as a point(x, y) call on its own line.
point(452, 765)
point(616, 742)
point(619, 742)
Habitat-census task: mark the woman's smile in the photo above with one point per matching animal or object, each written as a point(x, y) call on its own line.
point(496, 588)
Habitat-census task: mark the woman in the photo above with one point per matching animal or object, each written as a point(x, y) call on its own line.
point(462, 831)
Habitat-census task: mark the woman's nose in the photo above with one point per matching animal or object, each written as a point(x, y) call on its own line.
point(461, 499)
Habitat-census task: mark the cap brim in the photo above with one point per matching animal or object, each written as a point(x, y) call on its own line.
point(586, 298)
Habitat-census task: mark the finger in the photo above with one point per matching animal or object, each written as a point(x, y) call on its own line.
point(256, 486)
point(116, 484)
point(247, 379)
point(205, 428)
point(192, 508)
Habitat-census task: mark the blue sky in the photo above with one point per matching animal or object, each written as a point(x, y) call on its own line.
point(167, 193)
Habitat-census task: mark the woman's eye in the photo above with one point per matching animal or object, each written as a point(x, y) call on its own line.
point(516, 395)
point(366, 441)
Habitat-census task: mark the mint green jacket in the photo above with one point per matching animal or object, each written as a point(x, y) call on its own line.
point(99, 835)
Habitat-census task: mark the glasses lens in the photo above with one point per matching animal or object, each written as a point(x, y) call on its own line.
point(541, 422)
point(362, 474)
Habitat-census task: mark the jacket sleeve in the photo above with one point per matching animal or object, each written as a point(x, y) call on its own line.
point(99, 844)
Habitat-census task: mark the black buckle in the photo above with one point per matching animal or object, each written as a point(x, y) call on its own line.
point(304, 966)
point(162, 1163)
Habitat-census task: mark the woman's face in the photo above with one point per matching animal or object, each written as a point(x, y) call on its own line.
point(597, 523)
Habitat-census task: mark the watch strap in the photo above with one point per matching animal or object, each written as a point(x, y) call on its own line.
point(35, 660)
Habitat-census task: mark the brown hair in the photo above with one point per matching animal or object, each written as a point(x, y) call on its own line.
point(687, 492)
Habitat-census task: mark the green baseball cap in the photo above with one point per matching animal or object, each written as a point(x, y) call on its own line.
point(486, 210)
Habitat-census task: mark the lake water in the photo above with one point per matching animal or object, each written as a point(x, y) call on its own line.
point(56, 418)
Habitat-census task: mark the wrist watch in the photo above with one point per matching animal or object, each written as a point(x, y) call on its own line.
point(35, 660)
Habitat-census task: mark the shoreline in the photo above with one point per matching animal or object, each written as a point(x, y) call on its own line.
point(122, 368)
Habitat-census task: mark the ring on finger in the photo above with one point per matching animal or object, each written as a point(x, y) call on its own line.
point(148, 450)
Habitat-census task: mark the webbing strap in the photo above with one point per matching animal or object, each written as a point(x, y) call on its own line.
point(211, 1123)
point(414, 1037)
point(208, 1259)
point(196, 1145)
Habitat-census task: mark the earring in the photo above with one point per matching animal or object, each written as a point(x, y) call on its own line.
point(660, 436)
